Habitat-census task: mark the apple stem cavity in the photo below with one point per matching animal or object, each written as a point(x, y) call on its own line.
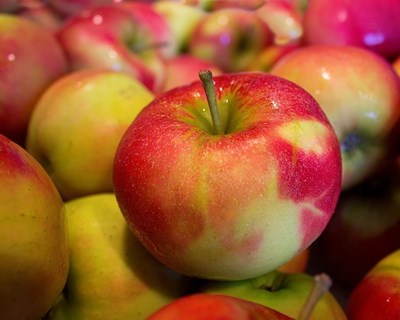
point(322, 284)
point(206, 78)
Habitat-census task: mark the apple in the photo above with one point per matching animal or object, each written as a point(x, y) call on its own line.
point(364, 229)
point(360, 94)
point(110, 37)
point(111, 275)
point(77, 124)
point(184, 69)
point(182, 20)
point(29, 64)
point(377, 296)
point(234, 193)
point(215, 307)
point(370, 24)
point(284, 19)
point(230, 38)
point(284, 292)
point(34, 253)
point(396, 65)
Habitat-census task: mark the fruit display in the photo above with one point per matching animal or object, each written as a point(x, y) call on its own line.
point(199, 159)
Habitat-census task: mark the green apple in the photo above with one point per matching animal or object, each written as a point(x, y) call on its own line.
point(34, 252)
point(77, 124)
point(284, 292)
point(111, 275)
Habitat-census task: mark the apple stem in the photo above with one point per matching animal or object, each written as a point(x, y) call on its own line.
point(322, 284)
point(206, 78)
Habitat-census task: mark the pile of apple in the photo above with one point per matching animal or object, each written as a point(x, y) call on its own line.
point(199, 159)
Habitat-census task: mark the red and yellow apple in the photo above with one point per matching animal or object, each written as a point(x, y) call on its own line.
point(77, 124)
point(234, 200)
point(215, 307)
point(229, 38)
point(377, 296)
point(360, 94)
point(111, 275)
point(111, 37)
point(34, 251)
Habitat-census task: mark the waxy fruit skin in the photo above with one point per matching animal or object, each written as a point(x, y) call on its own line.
point(377, 296)
point(236, 205)
point(34, 256)
point(30, 60)
point(215, 307)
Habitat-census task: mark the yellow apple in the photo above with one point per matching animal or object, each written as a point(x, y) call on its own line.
point(77, 124)
point(111, 275)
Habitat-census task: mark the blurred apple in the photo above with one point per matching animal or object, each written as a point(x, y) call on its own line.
point(377, 296)
point(284, 292)
point(364, 229)
point(284, 19)
point(110, 37)
point(230, 38)
point(371, 24)
point(360, 94)
point(396, 65)
point(184, 69)
point(77, 125)
point(69, 8)
point(231, 199)
point(34, 252)
point(182, 20)
point(215, 307)
point(111, 276)
point(30, 60)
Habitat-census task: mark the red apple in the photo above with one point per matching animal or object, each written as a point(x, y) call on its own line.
point(377, 296)
point(230, 38)
point(372, 24)
point(215, 307)
point(69, 8)
point(30, 60)
point(110, 37)
point(9, 6)
point(231, 196)
point(213, 5)
point(360, 94)
point(184, 69)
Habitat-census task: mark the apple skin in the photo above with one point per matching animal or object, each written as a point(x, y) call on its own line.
point(111, 275)
point(360, 94)
point(364, 228)
point(214, 5)
point(77, 124)
point(377, 296)
point(235, 205)
point(284, 292)
point(298, 263)
point(110, 37)
point(182, 20)
point(229, 38)
point(215, 307)
point(28, 65)
point(34, 252)
point(184, 69)
point(371, 24)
